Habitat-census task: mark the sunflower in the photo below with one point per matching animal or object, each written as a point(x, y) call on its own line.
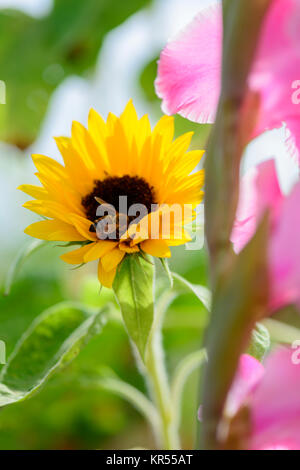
point(121, 157)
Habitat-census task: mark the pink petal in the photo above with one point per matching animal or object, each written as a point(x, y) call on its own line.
point(259, 190)
point(283, 437)
point(248, 376)
point(284, 253)
point(276, 68)
point(189, 70)
point(275, 405)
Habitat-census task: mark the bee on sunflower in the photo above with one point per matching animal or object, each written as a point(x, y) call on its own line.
point(119, 158)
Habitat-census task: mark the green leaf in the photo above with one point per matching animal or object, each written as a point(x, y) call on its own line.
point(52, 340)
point(182, 286)
point(260, 342)
point(15, 267)
point(133, 287)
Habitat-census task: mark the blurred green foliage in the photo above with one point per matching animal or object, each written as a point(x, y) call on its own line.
point(147, 77)
point(37, 54)
point(66, 413)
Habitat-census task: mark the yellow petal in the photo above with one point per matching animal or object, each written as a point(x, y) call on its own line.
point(38, 207)
point(93, 153)
point(143, 131)
point(128, 248)
point(50, 209)
point(76, 256)
point(186, 163)
point(48, 166)
point(129, 119)
point(83, 227)
point(112, 259)
point(106, 278)
point(111, 122)
point(179, 146)
point(99, 249)
point(96, 126)
point(81, 142)
point(60, 190)
point(75, 167)
point(98, 134)
point(165, 127)
point(195, 180)
point(34, 191)
point(118, 151)
point(186, 190)
point(185, 238)
point(56, 189)
point(154, 170)
point(158, 248)
point(145, 155)
point(54, 230)
point(138, 232)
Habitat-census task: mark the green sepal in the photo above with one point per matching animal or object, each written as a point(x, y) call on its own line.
point(260, 342)
point(133, 287)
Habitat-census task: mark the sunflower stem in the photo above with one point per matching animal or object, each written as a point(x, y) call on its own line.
point(157, 379)
point(134, 290)
point(160, 390)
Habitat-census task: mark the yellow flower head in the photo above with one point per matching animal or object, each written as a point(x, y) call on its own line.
point(119, 184)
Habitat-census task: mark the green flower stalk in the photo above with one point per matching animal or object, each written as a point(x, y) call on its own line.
point(240, 283)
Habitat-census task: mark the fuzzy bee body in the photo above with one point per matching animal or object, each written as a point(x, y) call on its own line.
point(109, 225)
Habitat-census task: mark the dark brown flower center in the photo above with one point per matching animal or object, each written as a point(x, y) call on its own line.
point(109, 190)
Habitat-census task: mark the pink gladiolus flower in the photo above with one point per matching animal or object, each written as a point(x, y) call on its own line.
point(189, 70)
point(274, 413)
point(259, 190)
